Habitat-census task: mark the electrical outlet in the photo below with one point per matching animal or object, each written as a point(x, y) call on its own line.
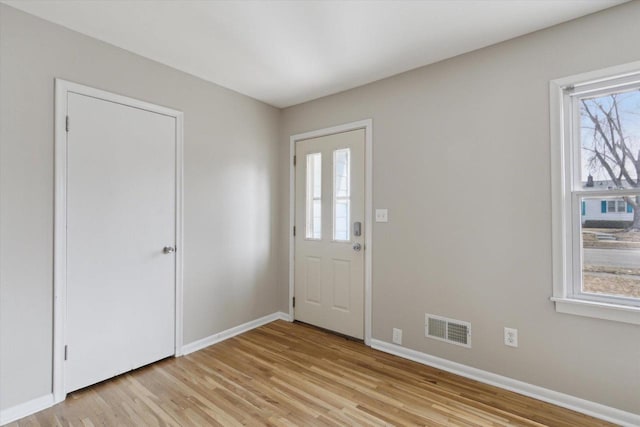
point(397, 336)
point(511, 337)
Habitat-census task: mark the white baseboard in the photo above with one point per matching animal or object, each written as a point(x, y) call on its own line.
point(25, 409)
point(232, 332)
point(586, 407)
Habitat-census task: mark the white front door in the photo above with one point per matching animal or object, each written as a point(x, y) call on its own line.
point(121, 213)
point(329, 241)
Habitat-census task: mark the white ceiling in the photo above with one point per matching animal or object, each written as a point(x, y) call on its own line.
point(288, 52)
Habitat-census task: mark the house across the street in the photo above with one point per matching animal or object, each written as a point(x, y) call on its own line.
point(605, 212)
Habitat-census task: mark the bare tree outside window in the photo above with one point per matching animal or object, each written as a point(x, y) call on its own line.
point(610, 137)
point(610, 157)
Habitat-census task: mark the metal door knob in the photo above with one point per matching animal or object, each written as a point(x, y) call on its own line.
point(357, 247)
point(168, 249)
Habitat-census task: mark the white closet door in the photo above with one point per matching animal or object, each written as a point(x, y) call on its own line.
point(121, 214)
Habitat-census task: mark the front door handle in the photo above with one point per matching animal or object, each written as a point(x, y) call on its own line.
point(357, 247)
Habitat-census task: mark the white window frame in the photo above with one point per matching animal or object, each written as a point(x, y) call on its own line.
point(566, 208)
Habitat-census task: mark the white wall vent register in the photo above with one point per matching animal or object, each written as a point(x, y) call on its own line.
point(448, 330)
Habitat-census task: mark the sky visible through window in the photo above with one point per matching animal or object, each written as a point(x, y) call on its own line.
point(610, 133)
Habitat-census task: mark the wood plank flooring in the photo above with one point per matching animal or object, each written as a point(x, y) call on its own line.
point(285, 374)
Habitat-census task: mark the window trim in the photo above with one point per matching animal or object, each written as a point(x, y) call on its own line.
point(565, 221)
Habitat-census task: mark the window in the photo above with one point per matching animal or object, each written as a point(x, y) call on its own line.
point(314, 197)
point(341, 195)
point(596, 157)
point(613, 206)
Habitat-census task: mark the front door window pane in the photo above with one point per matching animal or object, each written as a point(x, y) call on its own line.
point(314, 197)
point(341, 195)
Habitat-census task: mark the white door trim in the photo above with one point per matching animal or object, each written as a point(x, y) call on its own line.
point(367, 125)
point(62, 88)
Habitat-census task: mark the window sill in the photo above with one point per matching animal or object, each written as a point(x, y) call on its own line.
point(598, 310)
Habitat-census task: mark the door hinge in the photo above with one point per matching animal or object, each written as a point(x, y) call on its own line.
point(66, 348)
point(66, 123)
point(294, 160)
point(294, 302)
point(294, 231)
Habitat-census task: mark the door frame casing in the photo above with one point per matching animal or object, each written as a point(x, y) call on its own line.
point(62, 89)
point(367, 125)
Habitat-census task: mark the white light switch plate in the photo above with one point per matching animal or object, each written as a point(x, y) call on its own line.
point(382, 215)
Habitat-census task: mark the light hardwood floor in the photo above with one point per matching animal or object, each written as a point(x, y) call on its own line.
point(294, 374)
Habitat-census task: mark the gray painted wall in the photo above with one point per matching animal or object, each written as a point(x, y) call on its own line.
point(231, 191)
point(462, 162)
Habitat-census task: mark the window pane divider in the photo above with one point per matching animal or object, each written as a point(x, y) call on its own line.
point(607, 193)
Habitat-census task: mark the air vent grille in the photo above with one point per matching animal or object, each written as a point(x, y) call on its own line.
point(449, 330)
point(437, 328)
